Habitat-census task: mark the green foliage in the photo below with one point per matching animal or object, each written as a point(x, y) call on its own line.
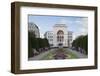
point(35, 43)
point(82, 42)
point(30, 36)
point(46, 43)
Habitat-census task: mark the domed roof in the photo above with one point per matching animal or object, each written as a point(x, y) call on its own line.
point(33, 24)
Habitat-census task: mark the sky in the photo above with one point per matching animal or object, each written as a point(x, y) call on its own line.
point(78, 25)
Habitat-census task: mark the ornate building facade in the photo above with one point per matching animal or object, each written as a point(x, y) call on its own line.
point(59, 36)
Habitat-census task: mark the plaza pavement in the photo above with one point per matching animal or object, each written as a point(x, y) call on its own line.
point(40, 56)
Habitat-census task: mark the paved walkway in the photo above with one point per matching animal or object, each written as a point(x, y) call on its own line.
point(40, 56)
point(78, 54)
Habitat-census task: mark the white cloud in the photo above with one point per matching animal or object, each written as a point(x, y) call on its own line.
point(82, 27)
point(62, 21)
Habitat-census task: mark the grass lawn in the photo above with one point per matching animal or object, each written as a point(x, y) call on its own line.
point(50, 56)
point(71, 55)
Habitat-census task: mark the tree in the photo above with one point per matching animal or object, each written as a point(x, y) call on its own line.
point(36, 43)
point(82, 42)
point(30, 36)
point(46, 43)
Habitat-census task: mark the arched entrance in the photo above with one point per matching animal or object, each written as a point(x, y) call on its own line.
point(60, 38)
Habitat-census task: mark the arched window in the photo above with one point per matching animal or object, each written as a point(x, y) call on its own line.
point(57, 38)
point(60, 32)
point(60, 36)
